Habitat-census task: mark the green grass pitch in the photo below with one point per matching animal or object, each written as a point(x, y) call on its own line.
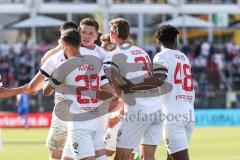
point(215, 143)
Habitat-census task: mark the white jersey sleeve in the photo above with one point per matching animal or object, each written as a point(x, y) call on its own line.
point(103, 78)
point(101, 52)
point(160, 65)
point(48, 67)
point(1, 84)
point(110, 63)
point(51, 64)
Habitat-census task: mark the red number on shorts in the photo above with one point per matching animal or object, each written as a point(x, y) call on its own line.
point(178, 79)
point(91, 82)
point(146, 62)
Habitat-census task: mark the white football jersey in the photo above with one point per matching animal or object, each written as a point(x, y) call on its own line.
point(81, 78)
point(1, 84)
point(134, 64)
point(55, 60)
point(49, 66)
point(178, 101)
point(97, 51)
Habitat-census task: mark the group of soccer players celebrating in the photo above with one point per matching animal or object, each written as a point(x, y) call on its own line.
point(112, 98)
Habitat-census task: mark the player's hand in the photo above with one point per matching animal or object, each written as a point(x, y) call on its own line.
point(113, 121)
point(26, 90)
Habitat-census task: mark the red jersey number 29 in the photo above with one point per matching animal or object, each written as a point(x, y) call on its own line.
point(185, 80)
point(91, 83)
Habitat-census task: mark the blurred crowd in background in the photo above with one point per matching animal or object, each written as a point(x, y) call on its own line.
point(215, 70)
point(126, 1)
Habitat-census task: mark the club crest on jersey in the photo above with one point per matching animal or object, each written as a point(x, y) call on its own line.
point(75, 147)
point(118, 136)
point(86, 67)
point(107, 137)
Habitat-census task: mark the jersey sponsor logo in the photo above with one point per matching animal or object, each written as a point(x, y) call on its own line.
point(185, 98)
point(89, 109)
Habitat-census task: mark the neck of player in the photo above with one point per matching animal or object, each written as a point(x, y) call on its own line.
point(169, 46)
point(72, 52)
point(121, 42)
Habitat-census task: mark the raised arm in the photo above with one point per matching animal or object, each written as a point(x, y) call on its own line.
point(50, 53)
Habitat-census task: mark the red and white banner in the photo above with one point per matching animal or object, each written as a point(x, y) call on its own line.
point(35, 120)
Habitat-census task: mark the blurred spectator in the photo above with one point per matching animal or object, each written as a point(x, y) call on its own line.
point(4, 50)
point(23, 103)
point(232, 50)
point(218, 59)
point(205, 49)
point(17, 48)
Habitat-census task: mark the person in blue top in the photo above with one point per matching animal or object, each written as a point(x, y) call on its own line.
point(23, 102)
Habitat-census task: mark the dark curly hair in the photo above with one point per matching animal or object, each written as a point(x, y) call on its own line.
point(166, 34)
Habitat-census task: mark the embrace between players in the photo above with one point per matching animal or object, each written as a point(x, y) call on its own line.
point(96, 88)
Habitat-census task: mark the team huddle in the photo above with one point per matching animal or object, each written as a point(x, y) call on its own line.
point(111, 99)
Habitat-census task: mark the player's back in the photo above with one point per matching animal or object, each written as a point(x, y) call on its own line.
point(180, 99)
point(133, 63)
point(82, 78)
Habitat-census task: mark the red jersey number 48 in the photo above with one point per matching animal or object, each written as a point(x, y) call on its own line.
point(184, 79)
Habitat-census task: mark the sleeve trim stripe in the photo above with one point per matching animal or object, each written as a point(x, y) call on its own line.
point(162, 72)
point(103, 77)
point(45, 73)
point(111, 64)
point(55, 81)
point(161, 69)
